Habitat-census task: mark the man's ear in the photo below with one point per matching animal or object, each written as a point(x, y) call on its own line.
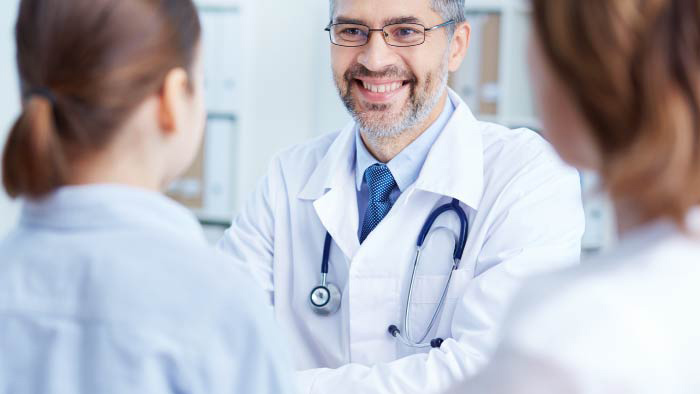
point(459, 46)
point(174, 88)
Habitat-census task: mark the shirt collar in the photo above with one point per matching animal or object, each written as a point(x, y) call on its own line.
point(406, 166)
point(107, 205)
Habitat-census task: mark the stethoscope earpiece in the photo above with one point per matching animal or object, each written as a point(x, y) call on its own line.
point(396, 333)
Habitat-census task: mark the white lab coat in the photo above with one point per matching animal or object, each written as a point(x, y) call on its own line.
point(525, 217)
point(625, 322)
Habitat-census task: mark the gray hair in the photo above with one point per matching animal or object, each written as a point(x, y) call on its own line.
point(448, 10)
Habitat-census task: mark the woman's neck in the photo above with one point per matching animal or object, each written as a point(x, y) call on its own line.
point(114, 168)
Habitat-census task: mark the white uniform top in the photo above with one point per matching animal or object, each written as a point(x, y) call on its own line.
point(525, 216)
point(109, 289)
point(628, 322)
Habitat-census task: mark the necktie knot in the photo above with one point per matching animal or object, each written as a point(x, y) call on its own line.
point(380, 182)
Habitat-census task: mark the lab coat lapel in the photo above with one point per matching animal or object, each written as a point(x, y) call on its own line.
point(455, 164)
point(331, 187)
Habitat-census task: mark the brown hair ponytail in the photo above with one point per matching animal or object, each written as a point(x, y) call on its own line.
point(33, 162)
point(86, 65)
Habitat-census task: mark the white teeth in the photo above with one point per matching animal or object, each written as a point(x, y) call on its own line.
point(386, 88)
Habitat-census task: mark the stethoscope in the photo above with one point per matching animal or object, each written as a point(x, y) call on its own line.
point(325, 299)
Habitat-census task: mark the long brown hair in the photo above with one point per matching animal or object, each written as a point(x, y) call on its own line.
point(84, 66)
point(633, 67)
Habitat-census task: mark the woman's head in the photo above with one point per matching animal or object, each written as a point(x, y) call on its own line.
point(618, 83)
point(96, 74)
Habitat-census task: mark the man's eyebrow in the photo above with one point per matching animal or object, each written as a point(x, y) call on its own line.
point(389, 21)
point(342, 19)
point(402, 19)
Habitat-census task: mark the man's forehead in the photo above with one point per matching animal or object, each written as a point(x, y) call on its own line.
point(383, 11)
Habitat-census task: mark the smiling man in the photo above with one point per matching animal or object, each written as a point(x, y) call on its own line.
point(332, 231)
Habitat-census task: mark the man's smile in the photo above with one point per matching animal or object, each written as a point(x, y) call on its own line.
point(380, 91)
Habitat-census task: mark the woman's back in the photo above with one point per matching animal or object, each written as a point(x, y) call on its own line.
point(113, 289)
point(623, 323)
point(106, 286)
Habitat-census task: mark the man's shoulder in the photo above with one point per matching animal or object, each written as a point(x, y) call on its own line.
point(295, 164)
point(518, 143)
point(314, 149)
point(514, 153)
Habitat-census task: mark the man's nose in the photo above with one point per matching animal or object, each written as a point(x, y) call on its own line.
point(376, 55)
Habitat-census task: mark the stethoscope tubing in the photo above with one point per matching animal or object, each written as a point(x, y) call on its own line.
point(460, 244)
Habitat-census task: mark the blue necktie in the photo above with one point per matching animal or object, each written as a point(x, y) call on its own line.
point(381, 183)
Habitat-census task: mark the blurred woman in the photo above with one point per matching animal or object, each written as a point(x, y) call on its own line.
point(618, 82)
point(106, 286)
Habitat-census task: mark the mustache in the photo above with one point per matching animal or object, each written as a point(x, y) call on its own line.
point(358, 70)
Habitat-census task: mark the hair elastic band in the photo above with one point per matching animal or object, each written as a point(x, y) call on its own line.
point(42, 92)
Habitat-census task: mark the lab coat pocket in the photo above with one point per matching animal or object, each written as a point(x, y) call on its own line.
point(426, 295)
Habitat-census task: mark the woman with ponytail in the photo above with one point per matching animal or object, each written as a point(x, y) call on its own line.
point(107, 286)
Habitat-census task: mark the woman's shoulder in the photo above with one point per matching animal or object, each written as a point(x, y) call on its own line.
point(633, 298)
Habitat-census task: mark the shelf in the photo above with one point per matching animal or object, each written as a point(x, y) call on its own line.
point(491, 6)
point(213, 219)
point(228, 6)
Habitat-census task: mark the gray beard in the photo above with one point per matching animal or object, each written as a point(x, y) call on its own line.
point(417, 110)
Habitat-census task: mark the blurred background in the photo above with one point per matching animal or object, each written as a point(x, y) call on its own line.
point(266, 92)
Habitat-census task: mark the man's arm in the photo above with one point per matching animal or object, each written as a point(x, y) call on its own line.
point(250, 239)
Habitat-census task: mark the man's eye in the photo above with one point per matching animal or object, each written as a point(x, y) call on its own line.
point(406, 32)
point(351, 32)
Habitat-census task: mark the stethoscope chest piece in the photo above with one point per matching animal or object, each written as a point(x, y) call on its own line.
point(325, 299)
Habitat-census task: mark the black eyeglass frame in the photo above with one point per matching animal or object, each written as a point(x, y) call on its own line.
point(370, 30)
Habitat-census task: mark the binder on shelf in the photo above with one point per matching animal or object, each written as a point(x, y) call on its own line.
point(208, 187)
point(477, 81)
point(219, 161)
point(221, 34)
point(188, 190)
point(489, 87)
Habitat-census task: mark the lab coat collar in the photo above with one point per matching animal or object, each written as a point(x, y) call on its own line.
point(454, 168)
point(98, 206)
point(331, 187)
point(455, 164)
point(338, 162)
point(460, 177)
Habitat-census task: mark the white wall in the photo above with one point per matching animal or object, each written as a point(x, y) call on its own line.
point(9, 99)
point(287, 83)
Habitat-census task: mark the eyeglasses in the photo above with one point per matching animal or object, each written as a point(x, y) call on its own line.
point(396, 35)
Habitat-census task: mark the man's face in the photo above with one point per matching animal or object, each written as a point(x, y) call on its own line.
point(390, 89)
